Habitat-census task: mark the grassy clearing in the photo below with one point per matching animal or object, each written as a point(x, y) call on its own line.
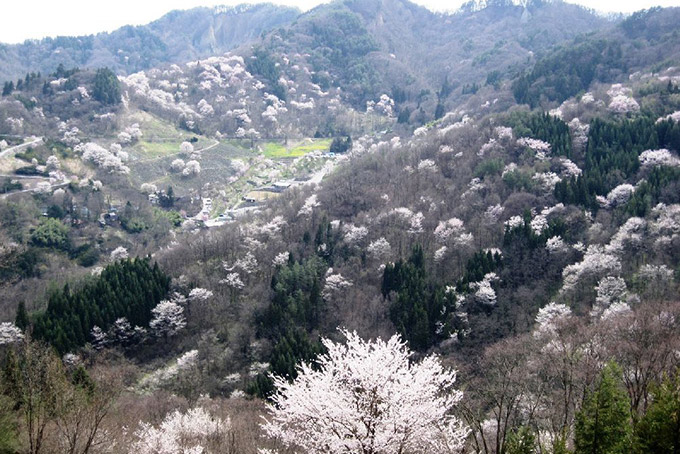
point(160, 137)
point(157, 149)
point(261, 196)
point(275, 150)
point(155, 128)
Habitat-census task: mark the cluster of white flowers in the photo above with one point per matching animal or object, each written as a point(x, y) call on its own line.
point(655, 273)
point(427, 165)
point(416, 224)
point(281, 258)
point(539, 224)
point(119, 253)
point(308, 105)
point(547, 180)
point(188, 433)
point(621, 100)
point(42, 187)
point(474, 186)
point(384, 106)
point(675, 116)
point(514, 222)
point(335, 282)
point(238, 166)
point(445, 229)
point(247, 264)
point(484, 292)
point(540, 147)
point(309, 206)
point(587, 98)
point(619, 90)
point(148, 188)
point(52, 163)
point(103, 158)
point(440, 253)
point(662, 157)
point(509, 168)
point(121, 332)
point(330, 405)
point(15, 124)
point(493, 213)
point(489, 147)
point(186, 147)
point(168, 374)
point(200, 294)
point(630, 234)
point(556, 245)
point(233, 280)
point(191, 168)
point(596, 263)
point(549, 318)
point(273, 227)
point(168, 319)
point(70, 136)
point(610, 290)
point(579, 132)
point(379, 249)
point(666, 220)
point(204, 108)
point(404, 214)
point(420, 132)
point(503, 133)
point(10, 333)
point(570, 168)
point(177, 165)
point(354, 234)
point(620, 195)
point(130, 134)
point(616, 310)
point(140, 85)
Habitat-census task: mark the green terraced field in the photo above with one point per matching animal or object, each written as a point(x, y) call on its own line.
point(276, 150)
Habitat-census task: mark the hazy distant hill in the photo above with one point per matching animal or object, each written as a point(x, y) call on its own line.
point(177, 37)
point(369, 47)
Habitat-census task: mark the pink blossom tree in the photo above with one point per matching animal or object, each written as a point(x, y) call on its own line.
point(368, 397)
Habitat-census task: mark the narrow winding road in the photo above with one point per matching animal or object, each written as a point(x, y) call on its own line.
point(18, 147)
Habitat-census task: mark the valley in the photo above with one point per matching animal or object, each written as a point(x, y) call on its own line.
point(259, 230)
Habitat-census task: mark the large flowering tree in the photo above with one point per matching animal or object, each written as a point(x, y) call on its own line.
point(368, 397)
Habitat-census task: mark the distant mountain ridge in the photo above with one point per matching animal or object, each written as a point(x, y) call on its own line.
point(368, 47)
point(177, 37)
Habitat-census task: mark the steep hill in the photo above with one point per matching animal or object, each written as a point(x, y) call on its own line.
point(177, 37)
point(499, 186)
point(396, 47)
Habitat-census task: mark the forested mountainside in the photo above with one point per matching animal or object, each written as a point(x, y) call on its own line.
point(175, 241)
point(177, 37)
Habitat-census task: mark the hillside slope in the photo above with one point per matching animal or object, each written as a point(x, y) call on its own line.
point(177, 37)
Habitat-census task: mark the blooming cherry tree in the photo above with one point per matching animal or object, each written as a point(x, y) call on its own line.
point(192, 167)
point(168, 319)
point(662, 157)
point(119, 253)
point(549, 317)
point(368, 397)
point(186, 147)
point(193, 432)
point(610, 290)
point(379, 249)
point(10, 333)
point(334, 283)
